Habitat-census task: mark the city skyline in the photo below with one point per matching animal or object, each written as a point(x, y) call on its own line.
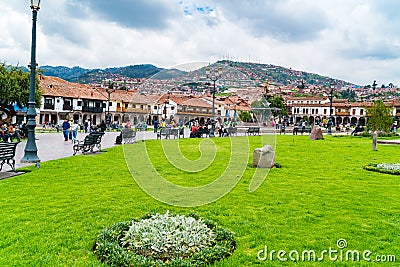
point(357, 42)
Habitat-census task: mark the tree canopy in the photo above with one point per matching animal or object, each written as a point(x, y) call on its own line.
point(276, 103)
point(379, 117)
point(14, 86)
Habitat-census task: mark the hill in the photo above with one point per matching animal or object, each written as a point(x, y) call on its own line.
point(255, 71)
point(81, 75)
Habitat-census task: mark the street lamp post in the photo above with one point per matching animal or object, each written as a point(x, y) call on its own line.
point(330, 109)
point(165, 110)
point(214, 76)
point(108, 120)
point(30, 155)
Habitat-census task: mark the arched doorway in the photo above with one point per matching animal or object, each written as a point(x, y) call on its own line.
point(362, 121)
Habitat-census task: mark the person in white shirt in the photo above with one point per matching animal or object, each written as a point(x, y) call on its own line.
point(74, 130)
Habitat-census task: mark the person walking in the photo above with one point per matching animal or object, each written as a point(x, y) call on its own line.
point(155, 126)
point(74, 130)
point(65, 127)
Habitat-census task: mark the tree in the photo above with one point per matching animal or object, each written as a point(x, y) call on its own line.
point(277, 102)
point(245, 116)
point(348, 94)
point(15, 86)
point(379, 117)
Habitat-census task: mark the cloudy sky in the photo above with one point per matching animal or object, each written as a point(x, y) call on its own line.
point(354, 40)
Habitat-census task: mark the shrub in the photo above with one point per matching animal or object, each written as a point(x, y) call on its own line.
point(163, 240)
point(389, 168)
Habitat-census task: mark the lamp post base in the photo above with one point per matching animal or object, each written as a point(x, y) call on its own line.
point(212, 130)
point(30, 157)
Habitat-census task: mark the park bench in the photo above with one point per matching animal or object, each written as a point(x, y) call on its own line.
point(177, 132)
point(301, 129)
point(165, 131)
point(358, 129)
point(230, 131)
point(141, 127)
point(253, 130)
point(91, 141)
point(7, 154)
point(282, 129)
point(128, 136)
point(203, 131)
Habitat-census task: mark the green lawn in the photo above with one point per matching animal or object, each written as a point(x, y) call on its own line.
point(51, 216)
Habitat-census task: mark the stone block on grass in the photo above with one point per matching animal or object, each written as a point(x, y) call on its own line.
point(264, 157)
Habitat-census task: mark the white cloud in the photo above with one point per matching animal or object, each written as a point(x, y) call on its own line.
point(357, 41)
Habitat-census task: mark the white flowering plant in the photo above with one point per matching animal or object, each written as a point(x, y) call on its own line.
point(164, 240)
point(389, 168)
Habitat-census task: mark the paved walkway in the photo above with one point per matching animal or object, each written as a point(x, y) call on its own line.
point(52, 146)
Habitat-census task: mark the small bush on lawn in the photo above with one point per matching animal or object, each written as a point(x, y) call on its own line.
point(163, 240)
point(389, 168)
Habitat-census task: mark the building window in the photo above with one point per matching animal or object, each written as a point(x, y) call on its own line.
point(361, 112)
point(155, 107)
point(48, 101)
point(79, 103)
point(324, 111)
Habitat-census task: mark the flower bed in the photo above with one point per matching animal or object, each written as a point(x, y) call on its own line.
point(164, 240)
point(389, 168)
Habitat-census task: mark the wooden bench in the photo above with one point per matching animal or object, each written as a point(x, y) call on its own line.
point(165, 131)
point(91, 141)
point(301, 129)
point(7, 154)
point(253, 130)
point(128, 136)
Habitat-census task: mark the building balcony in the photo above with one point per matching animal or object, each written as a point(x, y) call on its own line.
point(48, 106)
point(137, 110)
point(198, 114)
point(119, 109)
point(67, 107)
point(92, 109)
point(342, 113)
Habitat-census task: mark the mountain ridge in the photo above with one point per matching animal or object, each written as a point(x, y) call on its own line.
point(257, 71)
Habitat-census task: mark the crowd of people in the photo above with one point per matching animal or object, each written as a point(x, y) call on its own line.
point(197, 129)
point(9, 132)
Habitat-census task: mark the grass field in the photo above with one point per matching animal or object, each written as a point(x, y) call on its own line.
point(51, 216)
